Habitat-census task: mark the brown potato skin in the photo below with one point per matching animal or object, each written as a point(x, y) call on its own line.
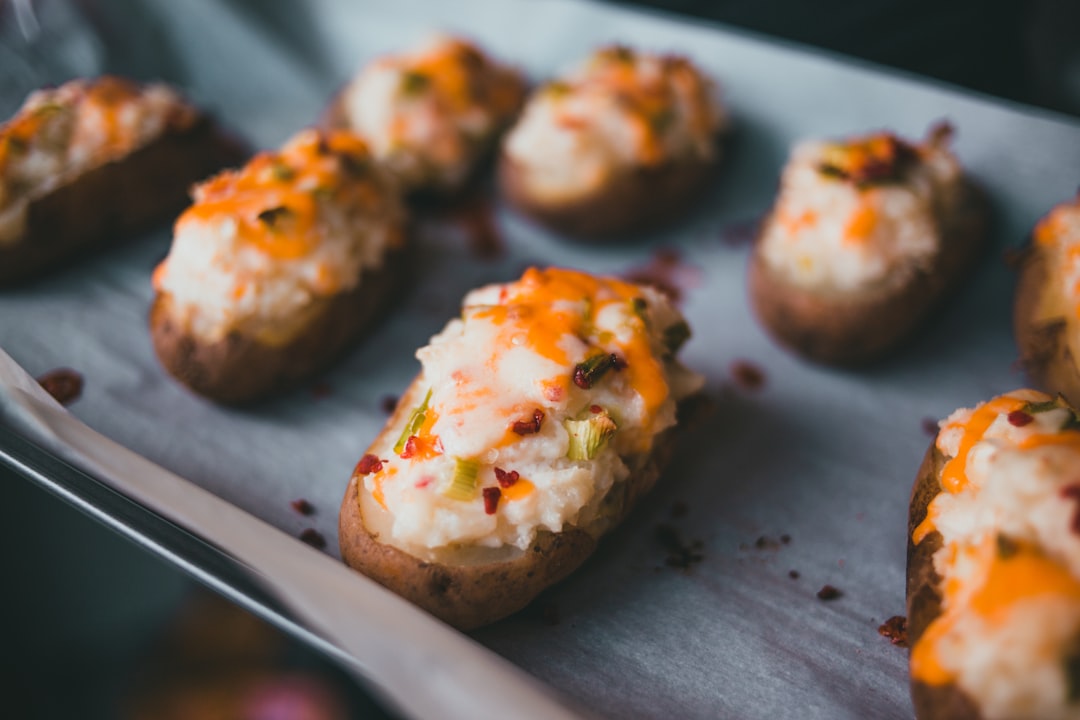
point(849, 329)
point(117, 200)
point(239, 369)
point(932, 702)
point(1044, 351)
point(633, 202)
point(469, 596)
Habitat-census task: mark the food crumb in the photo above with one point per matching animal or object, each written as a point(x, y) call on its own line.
point(793, 574)
point(64, 384)
point(766, 543)
point(895, 629)
point(388, 404)
point(747, 375)
point(828, 592)
point(321, 390)
point(302, 506)
point(930, 426)
point(680, 554)
point(785, 539)
point(313, 538)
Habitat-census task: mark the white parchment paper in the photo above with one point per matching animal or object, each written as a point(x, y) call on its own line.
point(824, 457)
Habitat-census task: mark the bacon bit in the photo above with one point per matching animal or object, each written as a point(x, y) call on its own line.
point(1019, 418)
point(477, 219)
point(321, 390)
point(828, 592)
point(529, 427)
point(793, 574)
point(747, 375)
point(302, 506)
point(680, 554)
point(740, 233)
point(895, 629)
point(368, 464)
point(666, 273)
point(1072, 492)
point(595, 409)
point(491, 499)
point(313, 538)
point(389, 404)
point(930, 426)
point(64, 384)
point(506, 479)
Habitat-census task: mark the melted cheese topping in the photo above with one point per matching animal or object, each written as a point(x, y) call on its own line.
point(504, 395)
point(431, 113)
point(862, 212)
point(618, 110)
point(262, 243)
point(1058, 234)
point(1010, 560)
point(61, 133)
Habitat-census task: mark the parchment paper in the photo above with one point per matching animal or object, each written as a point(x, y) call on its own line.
point(822, 456)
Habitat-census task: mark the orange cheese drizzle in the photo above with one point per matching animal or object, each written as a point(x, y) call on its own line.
point(1004, 581)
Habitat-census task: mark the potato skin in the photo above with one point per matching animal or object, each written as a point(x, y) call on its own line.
point(1044, 350)
point(855, 328)
point(239, 369)
point(117, 200)
point(468, 596)
point(634, 201)
point(932, 702)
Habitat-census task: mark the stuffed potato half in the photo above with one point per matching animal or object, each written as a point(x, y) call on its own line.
point(866, 238)
point(432, 114)
point(95, 161)
point(538, 419)
point(277, 268)
point(993, 581)
point(1046, 317)
point(623, 143)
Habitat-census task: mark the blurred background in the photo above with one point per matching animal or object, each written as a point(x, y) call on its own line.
point(94, 626)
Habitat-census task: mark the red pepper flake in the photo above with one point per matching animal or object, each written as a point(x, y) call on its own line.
point(793, 574)
point(491, 499)
point(64, 384)
point(389, 404)
point(1019, 418)
point(930, 426)
point(828, 592)
point(895, 629)
point(368, 464)
point(530, 427)
point(595, 409)
point(410, 449)
point(506, 479)
point(302, 506)
point(747, 375)
point(313, 538)
point(1072, 492)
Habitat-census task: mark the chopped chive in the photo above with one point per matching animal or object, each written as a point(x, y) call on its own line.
point(1006, 546)
point(587, 437)
point(413, 82)
point(416, 420)
point(589, 372)
point(1041, 407)
point(675, 336)
point(463, 484)
point(282, 172)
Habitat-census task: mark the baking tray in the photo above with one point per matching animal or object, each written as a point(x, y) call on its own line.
point(820, 458)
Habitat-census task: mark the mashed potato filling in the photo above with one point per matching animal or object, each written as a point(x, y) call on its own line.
point(430, 113)
point(541, 395)
point(862, 212)
point(1010, 561)
point(617, 111)
point(60, 133)
point(263, 243)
